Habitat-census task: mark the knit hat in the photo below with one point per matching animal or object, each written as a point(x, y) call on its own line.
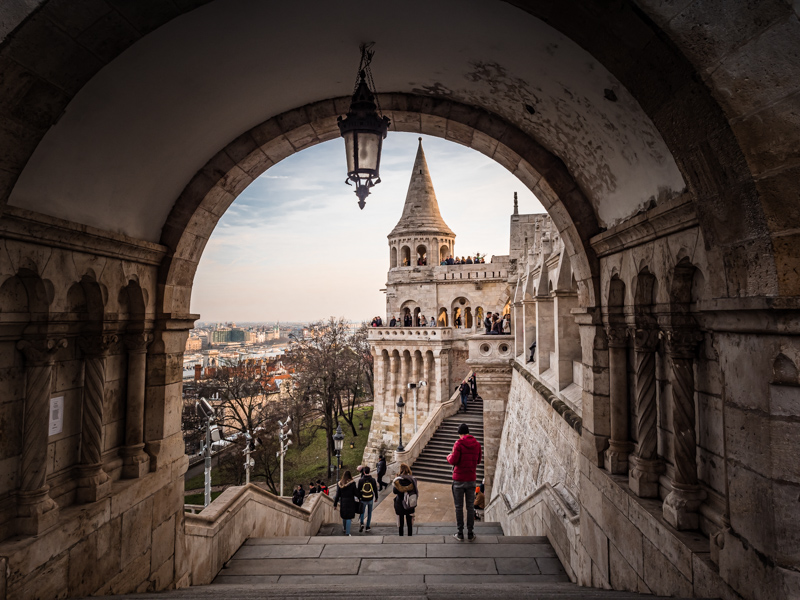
point(463, 429)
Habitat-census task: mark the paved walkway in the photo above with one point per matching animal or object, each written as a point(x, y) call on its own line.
point(435, 505)
point(433, 556)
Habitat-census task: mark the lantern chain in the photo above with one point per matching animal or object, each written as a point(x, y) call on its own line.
point(364, 66)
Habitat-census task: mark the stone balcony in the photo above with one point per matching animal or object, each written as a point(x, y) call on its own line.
point(484, 272)
point(410, 334)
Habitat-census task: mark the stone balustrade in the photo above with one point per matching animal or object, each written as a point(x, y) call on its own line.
point(424, 433)
point(218, 531)
point(400, 334)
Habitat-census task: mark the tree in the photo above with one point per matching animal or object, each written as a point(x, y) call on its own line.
point(322, 360)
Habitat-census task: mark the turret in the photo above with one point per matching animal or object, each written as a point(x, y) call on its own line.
point(421, 236)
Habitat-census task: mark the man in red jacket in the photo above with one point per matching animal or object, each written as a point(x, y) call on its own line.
point(465, 458)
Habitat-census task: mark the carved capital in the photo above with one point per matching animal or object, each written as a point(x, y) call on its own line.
point(40, 351)
point(137, 343)
point(683, 342)
point(617, 336)
point(96, 345)
point(645, 339)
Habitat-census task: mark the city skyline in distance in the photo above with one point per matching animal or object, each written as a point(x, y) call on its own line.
point(295, 247)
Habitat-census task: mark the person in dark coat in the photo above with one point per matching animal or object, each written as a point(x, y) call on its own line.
point(487, 322)
point(381, 468)
point(367, 490)
point(393, 322)
point(463, 389)
point(473, 387)
point(466, 455)
point(298, 495)
point(403, 483)
point(312, 488)
point(347, 497)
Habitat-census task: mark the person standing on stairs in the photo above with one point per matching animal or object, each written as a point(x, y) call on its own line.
point(465, 457)
point(463, 389)
point(406, 493)
point(381, 467)
point(346, 495)
point(473, 387)
point(366, 491)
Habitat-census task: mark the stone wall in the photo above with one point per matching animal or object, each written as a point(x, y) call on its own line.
point(97, 507)
point(219, 530)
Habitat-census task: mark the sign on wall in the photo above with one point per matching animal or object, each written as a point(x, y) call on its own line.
point(56, 415)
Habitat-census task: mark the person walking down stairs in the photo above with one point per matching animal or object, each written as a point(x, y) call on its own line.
point(346, 496)
point(465, 457)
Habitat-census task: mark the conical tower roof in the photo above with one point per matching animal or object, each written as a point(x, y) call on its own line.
point(421, 211)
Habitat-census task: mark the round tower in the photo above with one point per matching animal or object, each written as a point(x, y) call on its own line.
point(421, 237)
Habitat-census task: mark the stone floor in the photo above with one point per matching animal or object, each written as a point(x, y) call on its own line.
point(429, 565)
point(435, 505)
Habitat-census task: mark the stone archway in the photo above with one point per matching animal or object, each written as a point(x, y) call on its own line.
point(232, 169)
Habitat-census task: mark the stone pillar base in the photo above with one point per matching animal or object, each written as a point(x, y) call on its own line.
point(36, 512)
point(93, 484)
point(643, 476)
point(616, 457)
point(136, 462)
point(681, 506)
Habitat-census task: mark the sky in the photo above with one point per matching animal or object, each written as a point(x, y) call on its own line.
point(294, 246)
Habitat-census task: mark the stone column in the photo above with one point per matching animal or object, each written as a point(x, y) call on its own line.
point(391, 396)
point(36, 511)
point(425, 394)
point(379, 382)
point(645, 465)
point(545, 334)
point(619, 446)
point(93, 482)
point(442, 366)
point(682, 503)
point(403, 385)
point(136, 462)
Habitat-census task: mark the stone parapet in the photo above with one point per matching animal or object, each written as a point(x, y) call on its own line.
point(218, 531)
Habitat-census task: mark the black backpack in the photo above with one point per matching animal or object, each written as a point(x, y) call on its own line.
point(367, 491)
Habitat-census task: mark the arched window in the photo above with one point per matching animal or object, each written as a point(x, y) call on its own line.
point(444, 252)
point(416, 317)
point(442, 320)
point(405, 256)
point(393, 263)
point(422, 255)
point(468, 318)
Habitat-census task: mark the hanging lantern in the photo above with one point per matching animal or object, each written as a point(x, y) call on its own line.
point(363, 129)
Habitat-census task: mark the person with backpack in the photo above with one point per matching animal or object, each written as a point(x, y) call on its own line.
point(366, 491)
point(381, 472)
point(465, 457)
point(347, 497)
point(463, 389)
point(406, 495)
point(321, 487)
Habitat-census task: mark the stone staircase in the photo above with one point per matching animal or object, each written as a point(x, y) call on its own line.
point(432, 462)
point(431, 564)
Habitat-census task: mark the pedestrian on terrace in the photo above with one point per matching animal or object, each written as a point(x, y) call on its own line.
point(487, 322)
point(406, 494)
point(366, 491)
point(381, 468)
point(465, 457)
point(346, 496)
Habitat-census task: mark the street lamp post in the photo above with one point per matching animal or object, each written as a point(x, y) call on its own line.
point(400, 409)
point(414, 386)
point(338, 442)
point(204, 409)
point(285, 442)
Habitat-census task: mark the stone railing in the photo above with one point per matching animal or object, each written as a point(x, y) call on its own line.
point(423, 436)
point(555, 514)
point(219, 530)
point(403, 334)
point(484, 348)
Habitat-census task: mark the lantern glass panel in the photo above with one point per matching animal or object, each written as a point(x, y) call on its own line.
point(349, 148)
point(368, 150)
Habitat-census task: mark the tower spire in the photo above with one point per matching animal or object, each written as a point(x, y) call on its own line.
point(421, 210)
